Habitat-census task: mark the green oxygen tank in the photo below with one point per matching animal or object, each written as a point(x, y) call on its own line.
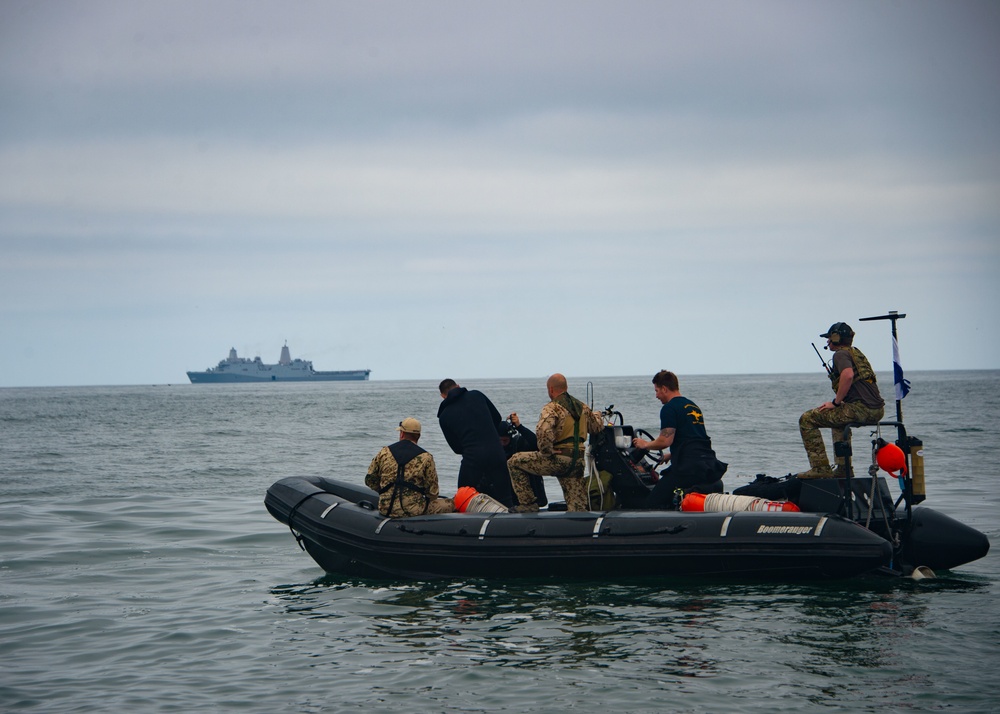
point(917, 468)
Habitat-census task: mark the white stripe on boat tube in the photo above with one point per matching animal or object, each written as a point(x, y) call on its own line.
point(379, 529)
point(482, 531)
point(725, 526)
point(819, 526)
point(329, 508)
point(597, 525)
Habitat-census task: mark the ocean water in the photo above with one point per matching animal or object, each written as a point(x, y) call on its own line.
point(139, 570)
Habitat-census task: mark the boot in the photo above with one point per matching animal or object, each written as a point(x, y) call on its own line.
point(816, 472)
point(819, 466)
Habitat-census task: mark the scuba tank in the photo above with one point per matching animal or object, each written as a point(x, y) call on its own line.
point(469, 500)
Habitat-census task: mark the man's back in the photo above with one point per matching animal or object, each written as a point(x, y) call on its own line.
point(469, 422)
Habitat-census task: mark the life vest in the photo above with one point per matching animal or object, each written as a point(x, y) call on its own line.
point(862, 369)
point(573, 432)
point(404, 452)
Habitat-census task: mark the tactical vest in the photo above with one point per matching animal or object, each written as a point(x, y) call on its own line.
point(862, 369)
point(567, 441)
point(404, 452)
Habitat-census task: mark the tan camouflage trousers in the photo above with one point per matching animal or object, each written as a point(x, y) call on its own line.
point(525, 463)
point(414, 504)
point(813, 420)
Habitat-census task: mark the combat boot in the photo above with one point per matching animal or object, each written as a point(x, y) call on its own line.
point(816, 472)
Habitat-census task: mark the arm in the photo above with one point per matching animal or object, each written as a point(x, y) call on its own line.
point(846, 379)
point(595, 424)
point(545, 432)
point(373, 479)
point(494, 412)
point(663, 441)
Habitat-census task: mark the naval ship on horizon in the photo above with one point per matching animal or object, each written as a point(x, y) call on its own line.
point(241, 369)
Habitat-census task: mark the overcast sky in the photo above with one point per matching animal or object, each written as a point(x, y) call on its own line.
point(505, 189)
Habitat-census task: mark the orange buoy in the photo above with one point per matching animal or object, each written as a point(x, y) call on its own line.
point(693, 502)
point(463, 496)
point(891, 458)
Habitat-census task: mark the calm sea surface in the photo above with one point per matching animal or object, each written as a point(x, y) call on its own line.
point(139, 570)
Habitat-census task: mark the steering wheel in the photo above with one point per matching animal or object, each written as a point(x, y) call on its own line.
point(652, 457)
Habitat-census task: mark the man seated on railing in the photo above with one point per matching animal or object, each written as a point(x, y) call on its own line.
point(856, 400)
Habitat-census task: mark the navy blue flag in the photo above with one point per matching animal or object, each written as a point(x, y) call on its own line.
point(902, 385)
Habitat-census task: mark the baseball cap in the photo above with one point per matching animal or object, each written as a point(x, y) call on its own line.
point(409, 425)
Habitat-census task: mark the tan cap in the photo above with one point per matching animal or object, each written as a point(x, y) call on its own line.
point(409, 425)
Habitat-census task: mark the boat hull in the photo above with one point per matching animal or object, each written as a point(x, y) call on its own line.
point(338, 525)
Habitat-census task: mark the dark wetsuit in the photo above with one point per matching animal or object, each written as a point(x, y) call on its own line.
point(469, 422)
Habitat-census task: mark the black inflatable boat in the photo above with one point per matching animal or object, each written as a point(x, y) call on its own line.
point(338, 525)
point(846, 527)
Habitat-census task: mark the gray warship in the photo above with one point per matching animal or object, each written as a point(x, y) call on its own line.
point(240, 369)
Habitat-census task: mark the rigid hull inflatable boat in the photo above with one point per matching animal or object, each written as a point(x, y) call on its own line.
point(338, 525)
point(772, 528)
point(841, 527)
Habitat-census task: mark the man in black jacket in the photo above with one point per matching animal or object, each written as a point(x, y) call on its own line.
point(471, 426)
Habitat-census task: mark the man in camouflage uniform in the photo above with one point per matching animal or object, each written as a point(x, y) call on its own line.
point(562, 434)
point(405, 477)
point(856, 399)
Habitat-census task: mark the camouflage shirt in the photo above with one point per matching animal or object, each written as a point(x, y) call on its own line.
point(552, 424)
point(411, 498)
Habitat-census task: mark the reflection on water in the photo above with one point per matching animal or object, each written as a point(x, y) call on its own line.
point(645, 634)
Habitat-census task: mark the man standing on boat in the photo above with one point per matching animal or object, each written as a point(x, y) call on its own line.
point(471, 425)
point(562, 433)
point(682, 430)
point(405, 477)
point(856, 400)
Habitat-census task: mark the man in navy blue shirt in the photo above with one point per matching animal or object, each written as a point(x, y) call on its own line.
point(693, 465)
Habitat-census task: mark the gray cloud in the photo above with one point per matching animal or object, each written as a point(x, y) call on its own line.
point(718, 170)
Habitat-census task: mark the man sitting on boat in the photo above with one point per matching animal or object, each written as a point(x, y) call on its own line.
point(856, 399)
point(682, 429)
point(405, 477)
point(562, 433)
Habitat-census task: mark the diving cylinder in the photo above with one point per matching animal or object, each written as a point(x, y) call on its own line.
point(721, 502)
point(917, 468)
point(469, 500)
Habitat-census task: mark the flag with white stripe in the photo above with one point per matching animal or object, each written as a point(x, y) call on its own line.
point(902, 385)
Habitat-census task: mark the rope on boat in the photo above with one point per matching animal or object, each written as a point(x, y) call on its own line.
point(873, 474)
point(299, 538)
